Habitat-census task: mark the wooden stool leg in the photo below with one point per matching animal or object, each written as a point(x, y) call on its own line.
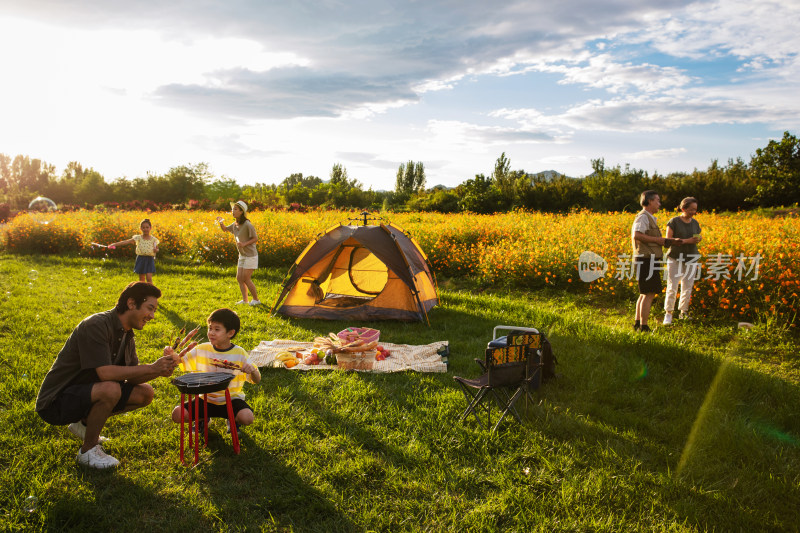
point(181, 428)
point(232, 422)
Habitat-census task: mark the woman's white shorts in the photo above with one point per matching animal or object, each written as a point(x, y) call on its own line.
point(248, 262)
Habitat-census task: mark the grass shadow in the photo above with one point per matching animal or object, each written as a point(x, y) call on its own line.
point(265, 489)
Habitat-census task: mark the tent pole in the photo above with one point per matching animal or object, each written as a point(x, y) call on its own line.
point(424, 311)
point(283, 287)
point(413, 278)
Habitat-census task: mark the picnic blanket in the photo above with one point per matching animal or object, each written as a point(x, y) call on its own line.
point(420, 358)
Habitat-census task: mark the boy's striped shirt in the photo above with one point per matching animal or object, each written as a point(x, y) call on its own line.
point(200, 359)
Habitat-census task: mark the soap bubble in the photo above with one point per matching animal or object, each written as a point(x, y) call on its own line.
point(42, 204)
point(30, 504)
point(42, 209)
point(33, 275)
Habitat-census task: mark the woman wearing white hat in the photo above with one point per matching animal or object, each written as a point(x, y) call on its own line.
point(246, 238)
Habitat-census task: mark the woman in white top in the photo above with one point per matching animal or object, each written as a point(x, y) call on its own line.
point(246, 238)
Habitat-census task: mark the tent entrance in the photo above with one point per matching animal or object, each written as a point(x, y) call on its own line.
point(341, 300)
point(353, 277)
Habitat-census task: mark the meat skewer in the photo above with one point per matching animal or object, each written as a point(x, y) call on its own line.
point(178, 337)
point(180, 343)
point(189, 337)
point(227, 365)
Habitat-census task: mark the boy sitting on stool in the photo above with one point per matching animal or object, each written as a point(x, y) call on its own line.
point(214, 356)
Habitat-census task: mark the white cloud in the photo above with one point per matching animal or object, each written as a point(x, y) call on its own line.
point(234, 145)
point(665, 153)
point(368, 160)
point(284, 93)
point(367, 54)
point(459, 132)
point(355, 59)
point(678, 108)
point(601, 71)
point(561, 160)
point(764, 31)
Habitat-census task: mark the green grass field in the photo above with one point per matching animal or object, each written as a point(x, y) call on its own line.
point(694, 428)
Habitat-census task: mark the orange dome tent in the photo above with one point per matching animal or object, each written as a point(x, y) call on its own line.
point(367, 272)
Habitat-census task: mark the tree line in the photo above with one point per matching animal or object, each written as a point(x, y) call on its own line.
point(771, 178)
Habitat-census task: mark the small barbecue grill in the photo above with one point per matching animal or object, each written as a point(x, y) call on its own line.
point(202, 382)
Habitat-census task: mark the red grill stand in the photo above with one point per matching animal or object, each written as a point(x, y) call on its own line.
point(196, 431)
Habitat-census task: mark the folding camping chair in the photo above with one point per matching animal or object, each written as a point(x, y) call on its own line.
point(513, 365)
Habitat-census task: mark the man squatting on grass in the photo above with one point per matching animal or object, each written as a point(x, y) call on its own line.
point(647, 242)
point(97, 372)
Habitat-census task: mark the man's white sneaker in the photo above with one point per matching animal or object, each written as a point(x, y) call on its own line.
point(240, 302)
point(255, 302)
point(96, 458)
point(667, 319)
point(79, 430)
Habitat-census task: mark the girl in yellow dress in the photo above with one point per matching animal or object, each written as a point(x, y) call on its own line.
point(146, 250)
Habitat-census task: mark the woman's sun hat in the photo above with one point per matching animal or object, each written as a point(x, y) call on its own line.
point(241, 204)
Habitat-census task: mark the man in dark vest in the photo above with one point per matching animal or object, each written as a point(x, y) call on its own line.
point(647, 243)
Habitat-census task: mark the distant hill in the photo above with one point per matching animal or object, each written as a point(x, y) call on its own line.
point(547, 175)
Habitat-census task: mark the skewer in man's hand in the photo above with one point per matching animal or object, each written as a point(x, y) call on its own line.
point(172, 359)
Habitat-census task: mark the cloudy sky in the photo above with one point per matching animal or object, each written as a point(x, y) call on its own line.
point(260, 89)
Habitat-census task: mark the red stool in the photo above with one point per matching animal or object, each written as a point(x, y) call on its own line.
point(195, 384)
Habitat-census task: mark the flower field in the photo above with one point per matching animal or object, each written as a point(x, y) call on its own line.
point(750, 264)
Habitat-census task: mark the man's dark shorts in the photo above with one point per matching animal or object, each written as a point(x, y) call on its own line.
point(219, 411)
point(649, 283)
point(75, 402)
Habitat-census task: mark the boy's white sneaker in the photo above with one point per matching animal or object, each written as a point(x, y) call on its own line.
point(240, 302)
point(255, 302)
point(228, 425)
point(667, 319)
point(96, 458)
point(79, 430)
